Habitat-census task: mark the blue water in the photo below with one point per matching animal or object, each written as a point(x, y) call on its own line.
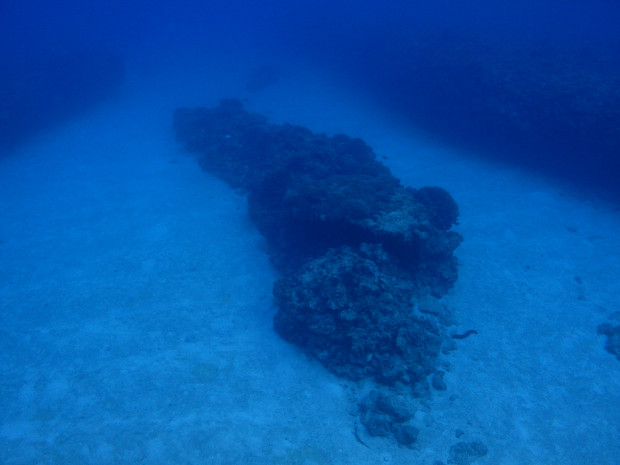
point(135, 293)
point(534, 84)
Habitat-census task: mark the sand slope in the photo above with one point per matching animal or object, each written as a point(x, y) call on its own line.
point(136, 308)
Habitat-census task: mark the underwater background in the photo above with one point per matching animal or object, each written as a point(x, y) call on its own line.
point(137, 276)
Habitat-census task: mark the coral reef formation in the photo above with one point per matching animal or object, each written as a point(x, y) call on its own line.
point(363, 259)
point(534, 104)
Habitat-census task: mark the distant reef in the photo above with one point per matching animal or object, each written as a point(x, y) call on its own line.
point(363, 259)
point(550, 108)
point(40, 90)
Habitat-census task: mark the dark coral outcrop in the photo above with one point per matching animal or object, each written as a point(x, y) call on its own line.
point(308, 193)
point(357, 250)
point(354, 310)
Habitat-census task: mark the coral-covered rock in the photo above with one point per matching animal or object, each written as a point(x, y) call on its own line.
point(386, 413)
point(353, 310)
point(361, 255)
point(363, 258)
point(308, 193)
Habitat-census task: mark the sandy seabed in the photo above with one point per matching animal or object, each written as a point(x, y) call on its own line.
point(136, 309)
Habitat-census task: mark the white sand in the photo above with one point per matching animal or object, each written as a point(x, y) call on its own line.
point(136, 301)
